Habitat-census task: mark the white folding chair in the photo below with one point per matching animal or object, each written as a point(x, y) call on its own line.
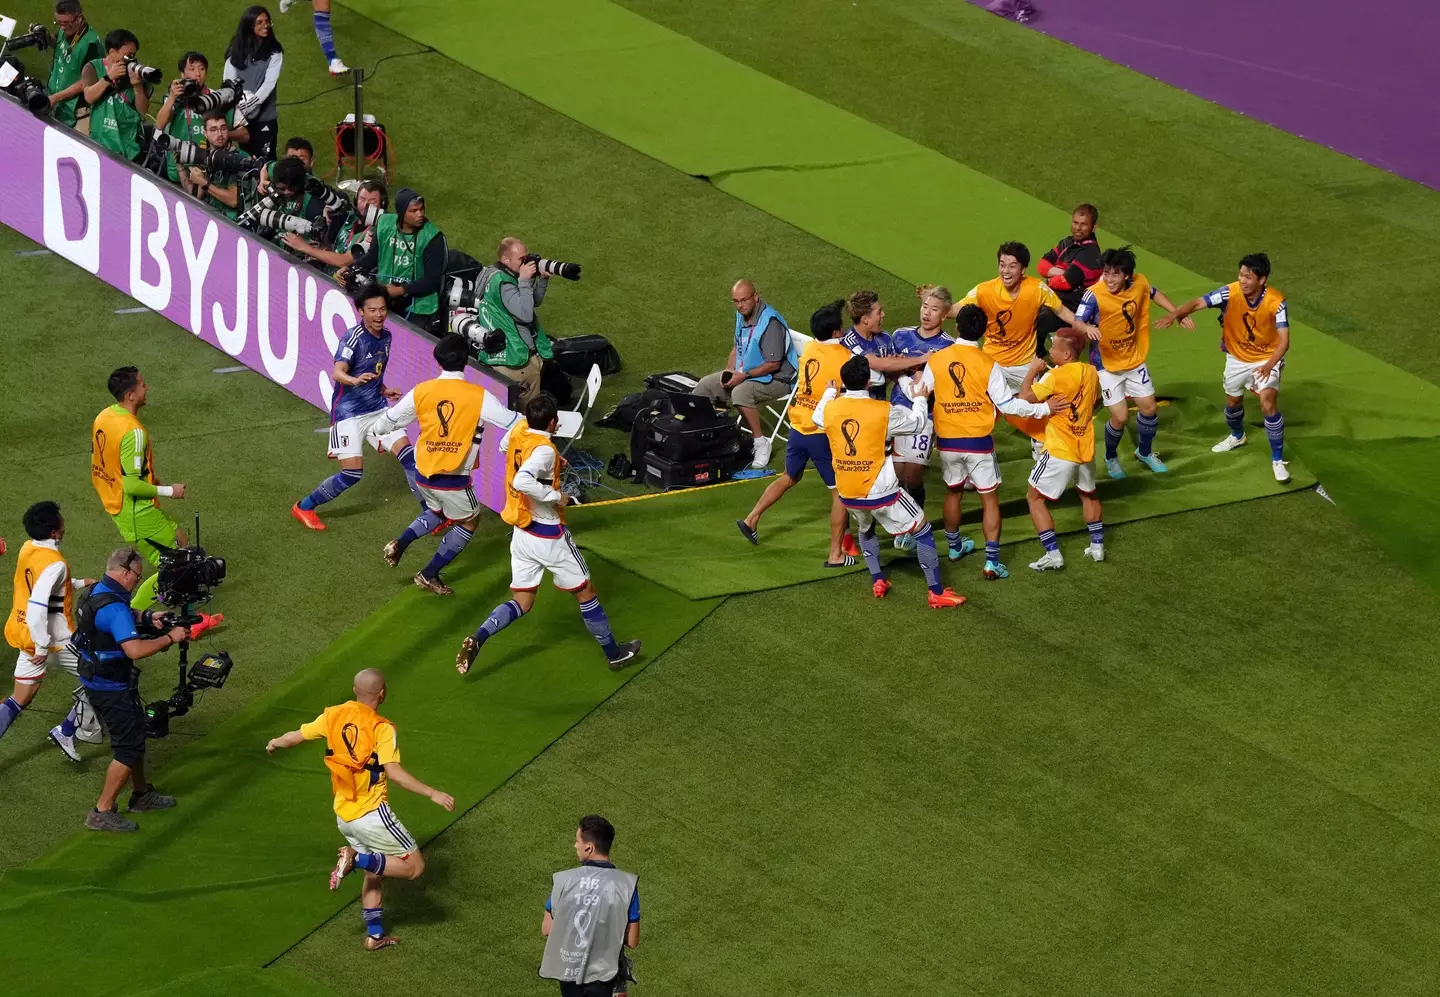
point(572, 421)
point(779, 409)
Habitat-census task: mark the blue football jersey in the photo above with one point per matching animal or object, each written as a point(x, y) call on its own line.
point(365, 353)
point(878, 345)
point(908, 342)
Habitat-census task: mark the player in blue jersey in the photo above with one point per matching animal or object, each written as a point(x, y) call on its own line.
point(910, 347)
point(360, 399)
point(867, 336)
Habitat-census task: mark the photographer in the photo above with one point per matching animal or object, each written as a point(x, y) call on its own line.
point(176, 119)
point(221, 189)
point(106, 642)
point(300, 148)
point(77, 46)
point(254, 56)
point(512, 289)
point(119, 99)
point(407, 256)
point(355, 234)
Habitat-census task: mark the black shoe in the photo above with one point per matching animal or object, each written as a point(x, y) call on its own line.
point(749, 533)
point(628, 652)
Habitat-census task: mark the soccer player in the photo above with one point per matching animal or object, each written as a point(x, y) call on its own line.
point(323, 34)
point(818, 365)
point(1255, 335)
point(534, 505)
point(1119, 306)
point(363, 760)
point(867, 336)
point(1069, 455)
point(1011, 303)
point(451, 412)
point(858, 427)
point(358, 403)
point(122, 469)
point(42, 618)
point(968, 386)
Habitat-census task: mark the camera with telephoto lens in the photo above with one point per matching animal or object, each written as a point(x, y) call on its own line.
point(38, 38)
point(553, 268)
point(462, 294)
point(187, 578)
point(194, 154)
point(149, 74)
point(278, 221)
point(466, 323)
point(26, 89)
point(200, 102)
point(330, 199)
point(189, 90)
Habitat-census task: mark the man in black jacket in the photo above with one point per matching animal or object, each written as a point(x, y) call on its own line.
point(1071, 267)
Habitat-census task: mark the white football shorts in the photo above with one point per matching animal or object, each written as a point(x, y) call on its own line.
point(980, 471)
point(348, 436)
point(1015, 376)
point(459, 504)
point(899, 517)
point(379, 831)
point(1052, 476)
point(532, 556)
point(915, 449)
point(1118, 385)
point(1240, 376)
point(29, 673)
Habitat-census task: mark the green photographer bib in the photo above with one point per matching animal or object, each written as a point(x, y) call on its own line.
point(399, 257)
point(114, 121)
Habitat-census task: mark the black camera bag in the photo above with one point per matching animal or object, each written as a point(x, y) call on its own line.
point(622, 416)
point(685, 428)
point(576, 354)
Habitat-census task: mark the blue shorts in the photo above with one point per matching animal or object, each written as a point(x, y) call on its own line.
point(809, 448)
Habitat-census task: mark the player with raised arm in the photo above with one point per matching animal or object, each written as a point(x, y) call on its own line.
point(359, 401)
point(819, 364)
point(1255, 335)
point(363, 759)
point(858, 427)
point(1119, 306)
point(535, 507)
point(41, 621)
point(968, 387)
point(1069, 455)
point(451, 412)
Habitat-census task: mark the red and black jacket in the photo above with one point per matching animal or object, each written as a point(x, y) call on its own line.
point(1070, 268)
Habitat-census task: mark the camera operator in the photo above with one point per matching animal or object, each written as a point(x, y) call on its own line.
point(119, 99)
point(254, 56)
point(355, 234)
point(407, 256)
point(176, 119)
point(77, 45)
point(300, 148)
point(511, 289)
point(221, 189)
point(107, 643)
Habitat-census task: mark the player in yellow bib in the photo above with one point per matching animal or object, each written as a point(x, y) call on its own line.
point(122, 470)
point(1255, 336)
point(1119, 306)
point(1069, 455)
point(363, 760)
point(451, 412)
point(41, 621)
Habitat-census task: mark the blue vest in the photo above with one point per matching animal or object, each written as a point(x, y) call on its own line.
point(747, 343)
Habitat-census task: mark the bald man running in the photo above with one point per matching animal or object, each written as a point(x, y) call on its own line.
point(761, 367)
point(361, 755)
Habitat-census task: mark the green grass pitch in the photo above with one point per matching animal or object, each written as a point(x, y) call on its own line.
point(1203, 767)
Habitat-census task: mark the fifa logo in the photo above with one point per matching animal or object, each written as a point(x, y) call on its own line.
point(350, 735)
point(29, 580)
point(957, 378)
point(1248, 320)
point(850, 429)
point(812, 367)
point(445, 411)
point(1127, 312)
point(1002, 319)
point(100, 448)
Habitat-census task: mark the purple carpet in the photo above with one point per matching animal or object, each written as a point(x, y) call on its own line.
point(1361, 78)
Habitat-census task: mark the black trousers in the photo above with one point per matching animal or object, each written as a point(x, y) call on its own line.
point(602, 989)
point(262, 139)
point(124, 718)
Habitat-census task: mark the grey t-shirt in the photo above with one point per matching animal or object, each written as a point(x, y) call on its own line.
point(775, 346)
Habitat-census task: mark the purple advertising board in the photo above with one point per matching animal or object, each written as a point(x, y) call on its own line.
point(237, 292)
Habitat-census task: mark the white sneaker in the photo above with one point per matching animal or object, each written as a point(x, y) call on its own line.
point(1282, 473)
point(762, 452)
point(1052, 560)
point(65, 744)
point(1095, 552)
point(285, 6)
point(1230, 443)
point(338, 67)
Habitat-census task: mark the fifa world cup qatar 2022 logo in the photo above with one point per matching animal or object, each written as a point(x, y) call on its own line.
point(850, 430)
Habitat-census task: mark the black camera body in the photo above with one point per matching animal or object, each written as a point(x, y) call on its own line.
point(27, 89)
point(188, 577)
point(37, 37)
point(553, 268)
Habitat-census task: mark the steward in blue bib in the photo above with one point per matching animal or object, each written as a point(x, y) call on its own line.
point(748, 354)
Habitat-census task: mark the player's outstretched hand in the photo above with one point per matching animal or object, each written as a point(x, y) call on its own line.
point(442, 799)
point(1187, 322)
point(272, 745)
point(1166, 321)
point(366, 377)
point(391, 394)
point(177, 491)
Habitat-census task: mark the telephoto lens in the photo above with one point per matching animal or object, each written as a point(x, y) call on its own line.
point(330, 198)
point(554, 268)
point(149, 74)
point(228, 95)
point(228, 161)
point(462, 294)
point(281, 222)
